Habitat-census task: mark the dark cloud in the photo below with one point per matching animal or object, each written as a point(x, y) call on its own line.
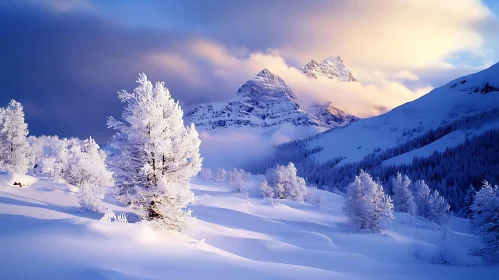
point(67, 67)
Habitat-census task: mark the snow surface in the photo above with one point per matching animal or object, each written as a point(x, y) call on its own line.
point(44, 235)
point(8, 179)
point(462, 97)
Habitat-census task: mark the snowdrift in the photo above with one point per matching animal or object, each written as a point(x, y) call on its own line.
point(45, 235)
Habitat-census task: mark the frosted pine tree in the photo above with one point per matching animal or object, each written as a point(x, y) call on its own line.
point(14, 147)
point(468, 202)
point(221, 175)
point(403, 199)
point(439, 208)
point(367, 206)
point(431, 206)
point(206, 174)
point(236, 179)
point(154, 155)
point(421, 193)
point(486, 220)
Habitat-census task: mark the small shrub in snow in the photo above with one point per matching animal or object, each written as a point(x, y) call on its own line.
point(14, 147)
point(206, 174)
point(110, 216)
point(285, 183)
point(403, 200)
point(121, 218)
point(486, 220)
point(221, 175)
point(367, 206)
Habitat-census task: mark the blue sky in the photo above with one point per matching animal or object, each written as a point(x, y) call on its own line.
point(66, 59)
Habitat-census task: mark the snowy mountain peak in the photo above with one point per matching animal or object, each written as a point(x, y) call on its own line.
point(266, 101)
point(267, 75)
point(331, 67)
point(333, 60)
point(465, 106)
point(266, 86)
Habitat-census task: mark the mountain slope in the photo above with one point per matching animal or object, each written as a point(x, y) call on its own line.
point(433, 138)
point(266, 101)
point(331, 68)
point(465, 96)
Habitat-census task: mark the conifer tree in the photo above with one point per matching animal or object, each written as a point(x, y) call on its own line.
point(154, 155)
point(14, 147)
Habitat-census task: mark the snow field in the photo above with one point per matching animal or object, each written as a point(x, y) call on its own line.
point(45, 235)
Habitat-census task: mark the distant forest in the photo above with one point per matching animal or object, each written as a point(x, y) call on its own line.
point(450, 172)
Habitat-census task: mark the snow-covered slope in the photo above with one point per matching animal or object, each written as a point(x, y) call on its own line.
point(265, 102)
point(465, 96)
point(331, 68)
point(45, 236)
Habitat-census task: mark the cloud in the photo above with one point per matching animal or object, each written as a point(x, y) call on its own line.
point(233, 68)
point(407, 75)
point(67, 59)
point(228, 149)
point(383, 34)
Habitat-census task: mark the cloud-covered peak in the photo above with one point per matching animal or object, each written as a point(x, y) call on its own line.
point(333, 60)
point(268, 76)
point(331, 67)
point(268, 85)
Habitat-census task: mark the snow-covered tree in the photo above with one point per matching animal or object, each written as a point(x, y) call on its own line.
point(77, 162)
point(431, 206)
point(86, 169)
point(285, 183)
point(403, 199)
point(246, 175)
point(154, 155)
point(236, 179)
point(486, 220)
point(14, 147)
point(440, 170)
point(206, 174)
point(221, 175)
point(266, 190)
point(421, 193)
point(367, 206)
point(50, 156)
point(312, 196)
point(439, 209)
point(468, 202)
